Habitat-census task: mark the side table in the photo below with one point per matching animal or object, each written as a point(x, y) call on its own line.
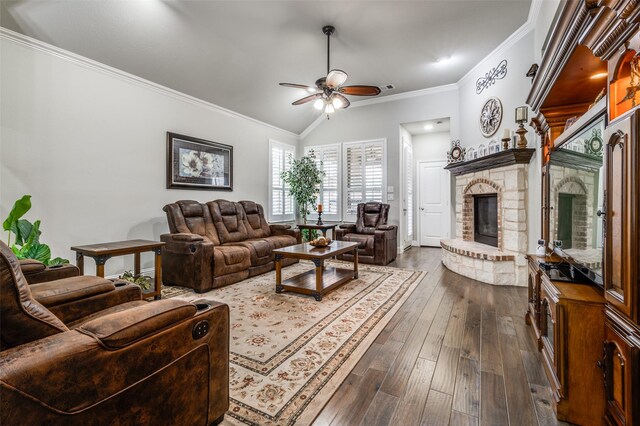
point(103, 252)
point(321, 228)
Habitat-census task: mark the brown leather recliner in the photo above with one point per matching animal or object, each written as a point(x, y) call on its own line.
point(162, 362)
point(219, 243)
point(378, 242)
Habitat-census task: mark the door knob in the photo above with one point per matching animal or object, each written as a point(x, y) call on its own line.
point(421, 208)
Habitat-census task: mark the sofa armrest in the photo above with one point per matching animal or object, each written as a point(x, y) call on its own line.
point(184, 237)
point(119, 330)
point(284, 229)
point(187, 263)
point(348, 226)
point(386, 227)
point(279, 226)
point(70, 378)
point(37, 272)
point(386, 232)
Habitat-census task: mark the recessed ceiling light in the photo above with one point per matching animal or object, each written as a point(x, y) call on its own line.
point(598, 75)
point(428, 127)
point(443, 60)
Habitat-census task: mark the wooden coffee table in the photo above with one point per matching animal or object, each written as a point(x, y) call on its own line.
point(322, 279)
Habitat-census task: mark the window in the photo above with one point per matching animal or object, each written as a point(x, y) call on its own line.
point(280, 200)
point(328, 160)
point(364, 175)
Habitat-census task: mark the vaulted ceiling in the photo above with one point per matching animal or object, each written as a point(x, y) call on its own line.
point(234, 53)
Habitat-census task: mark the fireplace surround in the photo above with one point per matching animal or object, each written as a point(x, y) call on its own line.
point(499, 259)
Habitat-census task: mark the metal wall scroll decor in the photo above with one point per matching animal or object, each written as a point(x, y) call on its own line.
point(496, 73)
point(456, 153)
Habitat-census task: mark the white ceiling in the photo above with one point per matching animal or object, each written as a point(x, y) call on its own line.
point(234, 53)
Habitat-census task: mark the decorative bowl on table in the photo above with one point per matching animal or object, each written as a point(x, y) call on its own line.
point(320, 242)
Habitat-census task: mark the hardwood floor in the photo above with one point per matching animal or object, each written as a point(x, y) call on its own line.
point(457, 352)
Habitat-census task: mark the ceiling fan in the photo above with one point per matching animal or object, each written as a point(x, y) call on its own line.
point(328, 93)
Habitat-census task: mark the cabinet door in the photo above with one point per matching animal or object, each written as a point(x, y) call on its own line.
point(621, 236)
point(621, 371)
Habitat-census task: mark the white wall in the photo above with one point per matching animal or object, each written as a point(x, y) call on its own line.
point(382, 120)
point(90, 148)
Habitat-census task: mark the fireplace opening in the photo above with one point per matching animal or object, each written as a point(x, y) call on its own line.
point(485, 219)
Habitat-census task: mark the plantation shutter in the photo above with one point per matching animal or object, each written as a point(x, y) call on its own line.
point(364, 175)
point(409, 185)
point(280, 200)
point(327, 158)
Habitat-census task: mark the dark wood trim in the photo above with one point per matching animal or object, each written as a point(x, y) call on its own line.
point(499, 159)
point(564, 40)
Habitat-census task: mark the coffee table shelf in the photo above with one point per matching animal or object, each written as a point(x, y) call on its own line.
point(322, 279)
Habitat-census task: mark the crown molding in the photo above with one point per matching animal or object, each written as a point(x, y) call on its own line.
point(85, 62)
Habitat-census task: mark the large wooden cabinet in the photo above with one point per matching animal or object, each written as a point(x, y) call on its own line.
point(590, 38)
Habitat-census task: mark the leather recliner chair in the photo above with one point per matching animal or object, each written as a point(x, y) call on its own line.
point(162, 362)
point(378, 242)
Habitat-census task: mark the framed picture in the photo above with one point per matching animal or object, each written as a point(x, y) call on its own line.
point(194, 163)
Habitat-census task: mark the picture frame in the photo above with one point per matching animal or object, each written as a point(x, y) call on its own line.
point(194, 163)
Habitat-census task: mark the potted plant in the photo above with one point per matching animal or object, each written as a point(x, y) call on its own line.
point(27, 243)
point(304, 179)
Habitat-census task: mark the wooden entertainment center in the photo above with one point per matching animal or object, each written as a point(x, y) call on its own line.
point(584, 297)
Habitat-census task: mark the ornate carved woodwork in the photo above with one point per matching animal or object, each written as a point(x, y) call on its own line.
point(571, 329)
point(621, 216)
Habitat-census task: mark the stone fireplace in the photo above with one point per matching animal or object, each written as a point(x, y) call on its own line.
point(491, 221)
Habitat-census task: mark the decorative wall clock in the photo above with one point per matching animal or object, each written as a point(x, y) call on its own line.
point(595, 144)
point(456, 153)
point(490, 117)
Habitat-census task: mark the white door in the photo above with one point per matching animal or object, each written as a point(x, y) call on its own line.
point(433, 204)
point(407, 195)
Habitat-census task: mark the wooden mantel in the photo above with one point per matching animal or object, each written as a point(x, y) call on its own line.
point(492, 161)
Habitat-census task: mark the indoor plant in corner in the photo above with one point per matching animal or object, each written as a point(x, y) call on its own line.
point(27, 243)
point(304, 179)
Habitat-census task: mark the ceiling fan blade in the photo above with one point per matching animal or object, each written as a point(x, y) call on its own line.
point(360, 90)
point(345, 101)
point(336, 78)
point(307, 99)
point(299, 86)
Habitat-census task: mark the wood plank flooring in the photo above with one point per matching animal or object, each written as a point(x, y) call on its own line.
point(457, 352)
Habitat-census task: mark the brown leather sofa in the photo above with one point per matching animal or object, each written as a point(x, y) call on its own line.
point(37, 272)
point(378, 242)
point(162, 362)
point(70, 296)
point(219, 243)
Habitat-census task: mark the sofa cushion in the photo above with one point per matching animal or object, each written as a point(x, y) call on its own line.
point(256, 224)
point(52, 293)
point(261, 250)
point(229, 220)
point(228, 259)
point(365, 243)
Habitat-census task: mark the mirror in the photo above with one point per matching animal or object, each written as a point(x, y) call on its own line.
point(576, 194)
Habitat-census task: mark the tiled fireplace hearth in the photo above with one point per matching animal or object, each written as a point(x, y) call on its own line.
point(501, 260)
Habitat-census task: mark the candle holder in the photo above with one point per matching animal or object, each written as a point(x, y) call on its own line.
point(522, 140)
point(505, 143)
point(319, 222)
point(522, 113)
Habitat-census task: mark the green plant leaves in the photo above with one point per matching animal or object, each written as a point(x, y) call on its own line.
point(39, 252)
point(304, 179)
point(27, 244)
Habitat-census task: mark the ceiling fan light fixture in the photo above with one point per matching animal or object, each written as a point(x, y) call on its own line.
point(319, 104)
point(329, 109)
point(337, 103)
point(336, 78)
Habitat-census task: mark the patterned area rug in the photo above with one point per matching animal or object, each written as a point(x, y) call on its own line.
point(290, 353)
